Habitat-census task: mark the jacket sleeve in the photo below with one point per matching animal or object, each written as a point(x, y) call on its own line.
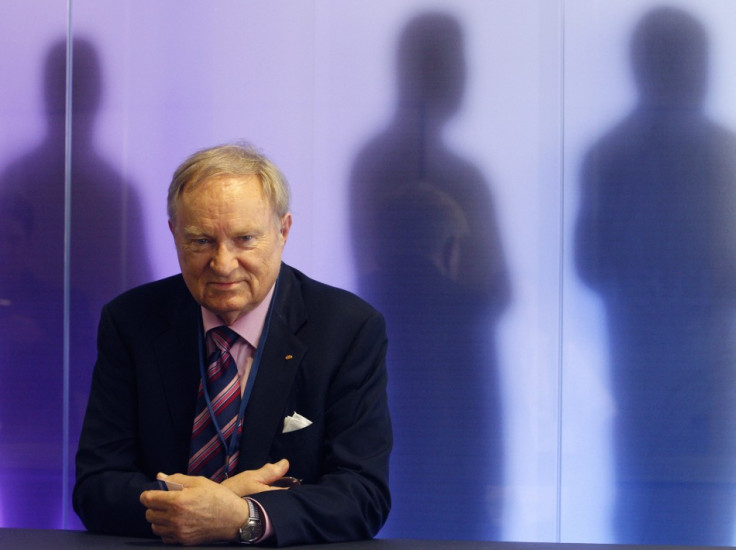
point(109, 478)
point(350, 500)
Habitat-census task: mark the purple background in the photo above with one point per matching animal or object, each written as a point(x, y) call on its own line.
point(317, 86)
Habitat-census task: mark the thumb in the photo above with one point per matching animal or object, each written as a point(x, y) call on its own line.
point(255, 481)
point(179, 480)
point(270, 472)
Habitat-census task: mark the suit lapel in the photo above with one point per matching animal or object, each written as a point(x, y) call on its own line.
point(281, 359)
point(177, 358)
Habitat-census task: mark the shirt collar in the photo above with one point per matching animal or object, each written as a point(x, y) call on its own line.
point(249, 326)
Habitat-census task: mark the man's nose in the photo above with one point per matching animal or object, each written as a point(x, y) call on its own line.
point(224, 260)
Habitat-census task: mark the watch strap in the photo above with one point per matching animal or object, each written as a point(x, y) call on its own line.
point(252, 530)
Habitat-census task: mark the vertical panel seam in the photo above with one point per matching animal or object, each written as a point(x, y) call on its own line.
point(67, 268)
point(560, 274)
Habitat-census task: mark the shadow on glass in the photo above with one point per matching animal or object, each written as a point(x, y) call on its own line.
point(428, 255)
point(107, 255)
point(655, 239)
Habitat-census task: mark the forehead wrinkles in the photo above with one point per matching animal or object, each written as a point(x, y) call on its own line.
point(226, 189)
point(225, 204)
point(220, 184)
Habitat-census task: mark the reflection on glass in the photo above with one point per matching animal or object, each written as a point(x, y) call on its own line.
point(655, 238)
point(107, 255)
point(428, 255)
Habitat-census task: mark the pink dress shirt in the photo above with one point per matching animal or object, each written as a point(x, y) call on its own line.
point(249, 327)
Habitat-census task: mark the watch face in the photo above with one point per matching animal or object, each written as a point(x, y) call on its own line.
point(247, 532)
point(253, 528)
point(251, 531)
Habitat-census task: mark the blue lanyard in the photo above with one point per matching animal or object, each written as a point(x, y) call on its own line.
point(235, 437)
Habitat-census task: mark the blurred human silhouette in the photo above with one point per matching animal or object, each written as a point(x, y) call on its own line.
point(656, 239)
point(431, 80)
point(442, 291)
point(107, 249)
point(108, 252)
point(446, 463)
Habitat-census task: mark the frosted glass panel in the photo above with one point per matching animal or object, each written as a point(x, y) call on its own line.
point(31, 267)
point(538, 194)
point(650, 303)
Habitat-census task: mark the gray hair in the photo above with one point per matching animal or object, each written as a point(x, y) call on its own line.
point(233, 159)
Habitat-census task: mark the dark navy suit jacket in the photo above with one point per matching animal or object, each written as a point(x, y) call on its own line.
point(324, 358)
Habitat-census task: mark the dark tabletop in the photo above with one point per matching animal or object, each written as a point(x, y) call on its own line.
point(24, 539)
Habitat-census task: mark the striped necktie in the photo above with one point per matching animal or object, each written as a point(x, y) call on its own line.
point(207, 453)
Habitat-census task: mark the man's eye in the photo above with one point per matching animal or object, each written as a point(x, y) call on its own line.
point(201, 242)
point(246, 238)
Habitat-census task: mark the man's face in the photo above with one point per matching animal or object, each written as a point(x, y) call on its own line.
point(229, 243)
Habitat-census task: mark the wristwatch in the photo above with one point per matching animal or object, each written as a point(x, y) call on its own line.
point(253, 528)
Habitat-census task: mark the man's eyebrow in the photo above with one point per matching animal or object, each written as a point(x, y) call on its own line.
point(193, 230)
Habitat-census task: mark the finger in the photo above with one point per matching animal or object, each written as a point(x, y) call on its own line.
point(156, 500)
point(256, 481)
point(168, 536)
point(266, 474)
point(157, 518)
point(275, 488)
point(146, 498)
point(269, 473)
point(181, 479)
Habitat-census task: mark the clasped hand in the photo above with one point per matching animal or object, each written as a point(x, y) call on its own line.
point(205, 511)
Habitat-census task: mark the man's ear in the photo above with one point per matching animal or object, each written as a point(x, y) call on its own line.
point(171, 227)
point(285, 226)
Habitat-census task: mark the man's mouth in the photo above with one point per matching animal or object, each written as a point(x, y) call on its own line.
point(224, 285)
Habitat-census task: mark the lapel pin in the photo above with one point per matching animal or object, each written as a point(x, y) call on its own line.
point(289, 357)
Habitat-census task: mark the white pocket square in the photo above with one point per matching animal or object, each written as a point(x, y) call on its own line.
point(295, 422)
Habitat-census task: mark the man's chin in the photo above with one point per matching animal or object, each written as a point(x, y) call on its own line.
point(229, 317)
point(227, 311)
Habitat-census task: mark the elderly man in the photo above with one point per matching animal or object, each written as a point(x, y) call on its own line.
point(217, 383)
